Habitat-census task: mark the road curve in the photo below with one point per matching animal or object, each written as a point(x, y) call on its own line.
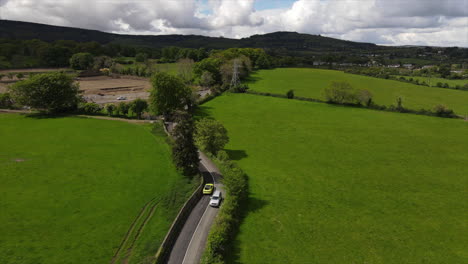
point(191, 241)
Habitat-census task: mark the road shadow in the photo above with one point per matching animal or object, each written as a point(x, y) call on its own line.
point(236, 154)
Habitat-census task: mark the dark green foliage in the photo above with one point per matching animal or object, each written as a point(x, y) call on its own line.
point(53, 92)
point(344, 93)
point(169, 94)
point(81, 61)
point(443, 111)
point(290, 94)
point(5, 100)
point(138, 106)
point(89, 108)
point(241, 88)
point(141, 57)
point(110, 108)
point(226, 224)
point(122, 108)
point(210, 135)
point(19, 75)
point(184, 151)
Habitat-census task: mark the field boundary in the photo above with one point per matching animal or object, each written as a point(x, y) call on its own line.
point(375, 107)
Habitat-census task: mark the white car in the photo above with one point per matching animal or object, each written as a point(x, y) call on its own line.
point(216, 199)
point(121, 98)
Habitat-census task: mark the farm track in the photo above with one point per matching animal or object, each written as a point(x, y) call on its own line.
point(144, 213)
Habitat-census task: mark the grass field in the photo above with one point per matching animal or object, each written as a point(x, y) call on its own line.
point(71, 188)
point(433, 81)
point(311, 83)
point(333, 184)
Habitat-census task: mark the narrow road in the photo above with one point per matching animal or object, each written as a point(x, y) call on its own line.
point(190, 244)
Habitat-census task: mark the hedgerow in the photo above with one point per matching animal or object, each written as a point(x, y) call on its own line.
point(227, 222)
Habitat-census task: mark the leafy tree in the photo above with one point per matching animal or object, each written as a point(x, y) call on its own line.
point(5, 100)
point(263, 62)
point(169, 94)
point(141, 57)
point(290, 94)
point(53, 56)
point(19, 75)
point(81, 61)
point(102, 62)
point(184, 151)
point(185, 69)
point(206, 80)
point(210, 135)
point(90, 108)
point(138, 106)
point(443, 111)
point(110, 108)
point(53, 92)
point(340, 93)
point(123, 108)
point(364, 97)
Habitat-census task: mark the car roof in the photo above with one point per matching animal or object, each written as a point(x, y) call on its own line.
point(217, 193)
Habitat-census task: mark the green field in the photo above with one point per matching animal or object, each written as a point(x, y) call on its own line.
point(71, 188)
point(433, 81)
point(332, 184)
point(311, 83)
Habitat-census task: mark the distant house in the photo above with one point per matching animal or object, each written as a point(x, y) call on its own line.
point(393, 66)
point(408, 65)
point(428, 66)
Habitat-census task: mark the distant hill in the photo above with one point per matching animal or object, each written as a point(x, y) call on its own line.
point(289, 41)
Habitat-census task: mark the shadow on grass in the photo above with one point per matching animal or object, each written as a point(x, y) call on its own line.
point(48, 116)
point(236, 154)
point(251, 205)
point(203, 111)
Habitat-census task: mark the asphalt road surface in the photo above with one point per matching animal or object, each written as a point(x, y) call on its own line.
point(191, 242)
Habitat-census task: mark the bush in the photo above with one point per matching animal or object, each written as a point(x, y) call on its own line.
point(81, 61)
point(5, 100)
point(110, 108)
point(443, 111)
point(340, 93)
point(122, 108)
point(90, 108)
point(227, 222)
point(138, 106)
point(19, 75)
point(241, 88)
point(53, 92)
point(141, 57)
point(290, 94)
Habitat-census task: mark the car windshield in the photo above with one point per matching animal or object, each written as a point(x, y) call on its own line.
point(207, 187)
point(214, 198)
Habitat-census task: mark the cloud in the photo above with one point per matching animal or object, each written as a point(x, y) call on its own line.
point(396, 22)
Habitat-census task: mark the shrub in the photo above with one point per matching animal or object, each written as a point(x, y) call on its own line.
point(241, 88)
point(90, 108)
point(226, 223)
point(53, 92)
point(81, 61)
point(141, 57)
point(19, 75)
point(138, 106)
point(5, 100)
point(364, 97)
point(439, 84)
point(110, 108)
point(446, 85)
point(290, 94)
point(122, 108)
point(443, 111)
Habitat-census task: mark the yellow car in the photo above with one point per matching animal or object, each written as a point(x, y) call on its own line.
point(209, 188)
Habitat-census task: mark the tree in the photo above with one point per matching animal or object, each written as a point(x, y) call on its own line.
point(81, 61)
point(122, 108)
point(340, 93)
point(138, 106)
point(53, 92)
point(210, 135)
point(169, 94)
point(110, 108)
point(364, 97)
point(290, 94)
point(184, 151)
point(102, 62)
point(141, 57)
point(5, 100)
point(206, 80)
point(19, 75)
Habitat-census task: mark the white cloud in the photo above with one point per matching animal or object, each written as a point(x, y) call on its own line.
point(397, 22)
